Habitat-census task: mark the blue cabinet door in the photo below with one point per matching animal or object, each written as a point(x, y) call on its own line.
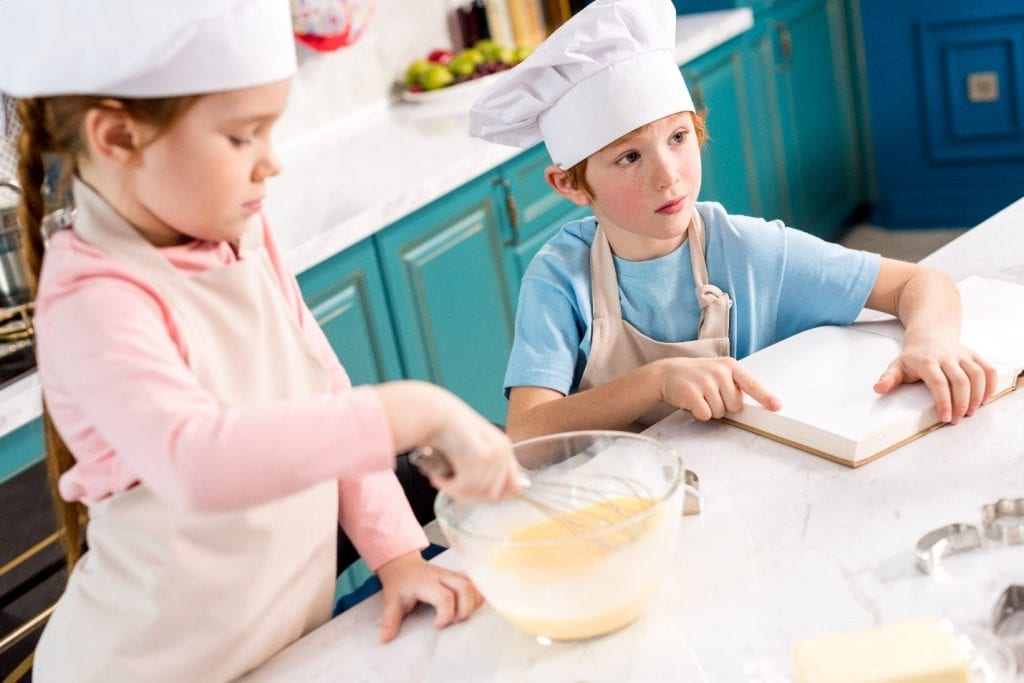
point(534, 211)
point(445, 271)
point(21, 448)
point(346, 295)
point(947, 108)
point(809, 90)
point(718, 84)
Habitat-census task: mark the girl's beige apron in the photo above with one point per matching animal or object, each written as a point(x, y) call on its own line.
point(616, 347)
point(184, 596)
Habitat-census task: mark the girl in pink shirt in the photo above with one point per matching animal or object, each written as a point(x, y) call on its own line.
point(192, 404)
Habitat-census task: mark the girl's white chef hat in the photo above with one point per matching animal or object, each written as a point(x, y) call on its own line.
point(607, 71)
point(142, 48)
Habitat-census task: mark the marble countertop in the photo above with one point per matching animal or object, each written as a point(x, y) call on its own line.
point(788, 546)
point(345, 181)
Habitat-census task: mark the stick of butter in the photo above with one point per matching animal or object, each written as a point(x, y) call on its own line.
point(914, 651)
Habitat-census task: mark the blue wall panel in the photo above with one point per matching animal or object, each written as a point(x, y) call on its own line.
point(944, 159)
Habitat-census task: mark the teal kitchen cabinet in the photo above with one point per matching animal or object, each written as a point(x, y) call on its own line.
point(444, 269)
point(805, 114)
point(346, 295)
point(21, 448)
point(533, 210)
point(718, 83)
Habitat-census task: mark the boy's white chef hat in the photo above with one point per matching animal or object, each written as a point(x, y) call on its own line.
point(608, 70)
point(142, 48)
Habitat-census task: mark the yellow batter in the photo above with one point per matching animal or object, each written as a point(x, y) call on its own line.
point(570, 556)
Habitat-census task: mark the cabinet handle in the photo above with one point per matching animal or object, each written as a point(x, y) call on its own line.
point(785, 42)
point(513, 212)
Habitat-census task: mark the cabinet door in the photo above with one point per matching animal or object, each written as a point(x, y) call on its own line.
point(533, 210)
point(718, 84)
point(445, 267)
point(814, 102)
point(346, 296)
point(21, 448)
point(524, 250)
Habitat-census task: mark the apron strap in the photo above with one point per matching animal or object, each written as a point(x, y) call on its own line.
point(714, 303)
point(604, 284)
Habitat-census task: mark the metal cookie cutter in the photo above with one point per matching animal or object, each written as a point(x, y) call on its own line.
point(1003, 520)
point(1009, 607)
point(693, 497)
point(945, 541)
point(1008, 620)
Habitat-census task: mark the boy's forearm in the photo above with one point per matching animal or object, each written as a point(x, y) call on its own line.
point(615, 405)
point(930, 304)
point(925, 300)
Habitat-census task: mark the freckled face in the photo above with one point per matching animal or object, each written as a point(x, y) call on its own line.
point(204, 176)
point(645, 185)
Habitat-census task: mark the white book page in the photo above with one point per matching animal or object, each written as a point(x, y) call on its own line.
point(825, 376)
point(993, 320)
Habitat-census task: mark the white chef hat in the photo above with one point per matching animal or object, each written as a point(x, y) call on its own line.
point(142, 48)
point(607, 71)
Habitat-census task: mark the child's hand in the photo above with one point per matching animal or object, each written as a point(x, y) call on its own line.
point(958, 379)
point(409, 579)
point(479, 452)
point(422, 414)
point(710, 387)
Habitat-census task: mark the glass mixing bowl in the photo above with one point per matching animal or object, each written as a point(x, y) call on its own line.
point(580, 552)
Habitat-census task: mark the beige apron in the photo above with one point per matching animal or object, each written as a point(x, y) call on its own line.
point(163, 595)
point(616, 347)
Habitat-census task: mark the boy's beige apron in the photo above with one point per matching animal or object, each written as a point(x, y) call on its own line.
point(181, 596)
point(616, 347)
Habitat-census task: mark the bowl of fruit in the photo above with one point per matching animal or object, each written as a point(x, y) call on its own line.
point(444, 73)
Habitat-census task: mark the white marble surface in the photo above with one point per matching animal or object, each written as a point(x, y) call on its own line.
point(789, 546)
point(347, 179)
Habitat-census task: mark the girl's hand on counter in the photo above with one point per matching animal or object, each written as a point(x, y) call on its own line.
point(480, 454)
point(409, 579)
point(958, 379)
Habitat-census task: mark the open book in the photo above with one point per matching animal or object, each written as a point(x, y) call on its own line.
point(825, 378)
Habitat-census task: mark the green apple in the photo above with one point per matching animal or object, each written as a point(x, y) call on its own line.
point(506, 55)
point(521, 53)
point(415, 71)
point(492, 52)
point(436, 76)
point(473, 54)
point(462, 65)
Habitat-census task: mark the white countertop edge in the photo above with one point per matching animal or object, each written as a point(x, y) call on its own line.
point(699, 33)
point(696, 34)
point(20, 403)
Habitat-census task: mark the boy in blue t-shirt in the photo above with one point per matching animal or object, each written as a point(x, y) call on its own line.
point(643, 308)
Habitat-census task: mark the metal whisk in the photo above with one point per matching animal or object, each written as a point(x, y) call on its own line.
point(581, 507)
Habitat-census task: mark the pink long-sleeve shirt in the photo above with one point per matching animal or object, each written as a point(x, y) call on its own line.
point(117, 386)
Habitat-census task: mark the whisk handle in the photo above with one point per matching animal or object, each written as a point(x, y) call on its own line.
point(431, 462)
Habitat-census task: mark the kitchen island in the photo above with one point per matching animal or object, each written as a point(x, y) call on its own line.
point(789, 546)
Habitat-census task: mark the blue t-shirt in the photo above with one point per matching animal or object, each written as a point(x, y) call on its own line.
point(781, 281)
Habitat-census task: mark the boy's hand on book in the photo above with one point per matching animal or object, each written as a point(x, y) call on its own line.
point(710, 387)
point(958, 379)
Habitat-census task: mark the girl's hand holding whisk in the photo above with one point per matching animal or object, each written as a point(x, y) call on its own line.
point(480, 454)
